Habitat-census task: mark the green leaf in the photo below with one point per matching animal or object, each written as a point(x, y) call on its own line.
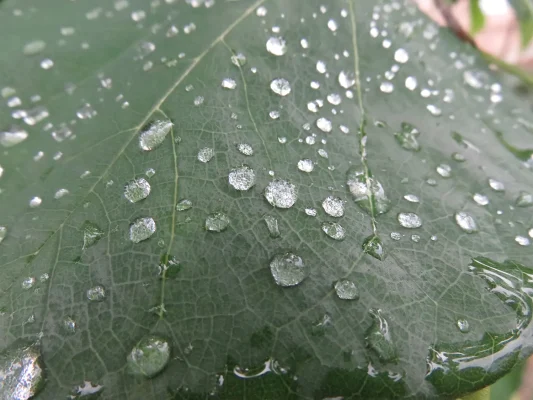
point(193, 207)
point(524, 13)
point(477, 18)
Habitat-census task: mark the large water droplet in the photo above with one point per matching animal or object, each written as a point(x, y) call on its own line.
point(91, 234)
point(154, 134)
point(242, 178)
point(206, 154)
point(407, 137)
point(96, 293)
point(524, 199)
point(281, 193)
point(217, 222)
point(333, 206)
point(141, 229)
point(280, 86)
point(409, 220)
point(272, 226)
point(334, 230)
point(379, 337)
point(137, 190)
point(288, 269)
point(149, 357)
point(276, 45)
point(466, 222)
point(368, 193)
point(346, 79)
point(373, 246)
point(346, 290)
point(21, 371)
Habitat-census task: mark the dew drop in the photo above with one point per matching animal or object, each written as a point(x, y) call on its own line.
point(91, 234)
point(154, 134)
point(28, 283)
point(346, 79)
point(276, 45)
point(458, 157)
point(407, 137)
point(334, 99)
point(206, 154)
point(229, 83)
point(324, 125)
point(149, 172)
point(411, 83)
point(85, 390)
point(321, 67)
point(96, 293)
point(333, 206)
point(35, 202)
point(409, 220)
point(334, 230)
point(412, 198)
point(281, 193)
point(149, 357)
point(310, 211)
point(466, 222)
point(34, 47)
point(242, 178)
point(137, 190)
point(373, 246)
point(346, 290)
point(280, 86)
point(415, 238)
point(386, 87)
point(401, 56)
point(70, 325)
point(434, 110)
point(13, 136)
point(368, 193)
point(198, 100)
point(463, 325)
point(524, 199)
point(261, 11)
point(379, 337)
point(61, 193)
point(288, 269)
point(495, 185)
point(272, 226)
point(47, 63)
point(3, 233)
point(217, 222)
point(85, 112)
point(245, 149)
point(142, 229)
point(322, 153)
point(138, 15)
point(306, 165)
point(395, 235)
point(238, 59)
point(522, 240)
point(444, 170)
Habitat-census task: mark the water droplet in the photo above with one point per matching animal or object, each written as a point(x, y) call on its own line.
point(206, 154)
point(261, 11)
point(395, 235)
point(368, 192)
point(276, 45)
point(334, 99)
point(288, 269)
point(434, 110)
point(272, 226)
point(35, 202)
point(463, 325)
point(21, 371)
point(238, 59)
point(216, 222)
point(373, 246)
point(184, 205)
point(415, 238)
point(379, 337)
point(324, 125)
point(401, 56)
point(91, 234)
point(496, 185)
point(333, 206)
point(411, 82)
point(458, 157)
point(522, 240)
point(242, 178)
point(306, 165)
point(321, 67)
point(475, 79)
point(3, 233)
point(141, 229)
point(334, 230)
point(149, 172)
point(149, 357)
point(87, 389)
point(409, 220)
point(13, 136)
point(96, 293)
point(60, 193)
point(28, 283)
point(34, 47)
point(466, 222)
point(444, 170)
point(412, 198)
point(281, 193)
point(62, 133)
point(407, 137)
point(137, 190)
point(310, 211)
point(86, 112)
point(386, 87)
point(47, 63)
point(346, 79)
point(524, 199)
point(154, 134)
point(198, 100)
point(274, 114)
point(229, 83)
point(332, 25)
point(346, 290)
point(69, 325)
point(280, 86)
point(245, 149)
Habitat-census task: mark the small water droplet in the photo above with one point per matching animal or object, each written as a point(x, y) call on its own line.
point(434, 110)
point(306, 165)
point(47, 63)
point(288, 269)
point(280, 86)
point(310, 211)
point(238, 59)
point(142, 229)
point(184, 205)
point(524, 199)
point(407, 137)
point(346, 290)
point(281, 193)
point(242, 178)
point(395, 235)
point(333, 206)
point(69, 325)
point(96, 293)
point(466, 222)
point(137, 190)
point(91, 234)
point(261, 11)
point(411, 83)
point(409, 220)
point(198, 100)
point(386, 87)
point(334, 230)
point(321, 67)
point(332, 25)
point(463, 325)
point(245, 149)
point(34, 47)
point(35, 202)
point(412, 198)
point(3, 233)
point(475, 79)
point(276, 45)
point(272, 226)
point(138, 15)
point(415, 238)
point(60, 193)
point(496, 185)
point(28, 283)
point(206, 154)
point(373, 246)
point(444, 170)
point(346, 79)
point(458, 157)
point(401, 56)
point(86, 112)
point(154, 134)
point(217, 222)
point(149, 357)
point(379, 337)
point(522, 240)
point(229, 83)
